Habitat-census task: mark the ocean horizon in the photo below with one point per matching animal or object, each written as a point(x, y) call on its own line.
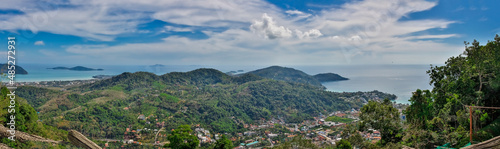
point(400, 80)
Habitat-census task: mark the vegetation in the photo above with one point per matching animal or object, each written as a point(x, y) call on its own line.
point(26, 120)
point(182, 138)
point(286, 74)
point(4, 68)
point(344, 144)
point(328, 77)
point(223, 143)
point(204, 97)
point(216, 101)
point(299, 142)
point(384, 117)
point(441, 116)
point(339, 119)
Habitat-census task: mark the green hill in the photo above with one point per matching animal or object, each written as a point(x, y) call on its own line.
point(328, 77)
point(4, 68)
point(215, 100)
point(26, 120)
point(286, 74)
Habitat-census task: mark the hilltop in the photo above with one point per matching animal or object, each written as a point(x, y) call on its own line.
point(328, 77)
point(4, 68)
point(294, 75)
point(286, 74)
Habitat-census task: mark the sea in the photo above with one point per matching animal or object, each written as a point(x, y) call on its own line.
point(400, 80)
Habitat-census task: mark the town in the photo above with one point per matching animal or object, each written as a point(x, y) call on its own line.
point(324, 129)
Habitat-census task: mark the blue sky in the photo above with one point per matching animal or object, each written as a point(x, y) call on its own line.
point(250, 32)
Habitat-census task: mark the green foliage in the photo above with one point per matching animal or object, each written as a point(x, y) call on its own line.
point(218, 102)
point(168, 98)
point(383, 117)
point(81, 99)
point(182, 138)
point(356, 140)
point(34, 95)
point(421, 108)
point(26, 120)
point(298, 142)
point(287, 74)
point(344, 144)
point(441, 116)
point(327, 77)
point(339, 119)
point(223, 143)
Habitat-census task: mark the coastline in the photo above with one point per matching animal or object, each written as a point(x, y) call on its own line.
point(57, 83)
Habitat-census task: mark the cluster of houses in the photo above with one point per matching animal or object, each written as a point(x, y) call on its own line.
point(204, 135)
point(318, 130)
point(61, 84)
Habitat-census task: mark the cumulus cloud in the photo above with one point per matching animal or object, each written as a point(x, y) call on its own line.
point(269, 28)
point(39, 43)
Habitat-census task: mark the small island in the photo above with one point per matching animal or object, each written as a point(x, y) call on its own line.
point(77, 68)
point(328, 77)
point(19, 70)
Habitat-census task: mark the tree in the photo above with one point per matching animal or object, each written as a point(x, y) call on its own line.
point(420, 110)
point(356, 140)
point(299, 142)
point(344, 144)
point(383, 117)
point(223, 143)
point(182, 138)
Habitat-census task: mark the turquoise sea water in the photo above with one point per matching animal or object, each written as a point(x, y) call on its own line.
point(400, 80)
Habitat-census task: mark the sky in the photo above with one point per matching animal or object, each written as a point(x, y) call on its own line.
point(244, 32)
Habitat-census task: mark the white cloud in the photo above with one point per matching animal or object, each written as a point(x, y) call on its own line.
point(269, 28)
point(366, 31)
point(177, 29)
point(294, 12)
point(39, 43)
point(106, 19)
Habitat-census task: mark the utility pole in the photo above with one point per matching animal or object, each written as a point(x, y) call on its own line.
point(470, 129)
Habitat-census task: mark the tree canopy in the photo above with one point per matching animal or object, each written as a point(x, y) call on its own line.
point(182, 138)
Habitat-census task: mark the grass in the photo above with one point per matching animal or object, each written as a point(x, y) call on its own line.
point(338, 119)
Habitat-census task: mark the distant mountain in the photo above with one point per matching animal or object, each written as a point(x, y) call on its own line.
point(328, 77)
point(157, 65)
point(77, 68)
point(286, 74)
point(19, 70)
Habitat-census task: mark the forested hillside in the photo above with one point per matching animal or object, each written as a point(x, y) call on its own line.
point(466, 87)
point(26, 120)
point(217, 101)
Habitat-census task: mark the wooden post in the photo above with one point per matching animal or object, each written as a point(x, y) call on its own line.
point(470, 117)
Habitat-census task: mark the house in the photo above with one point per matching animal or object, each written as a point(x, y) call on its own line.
point(141, 117)
point(340, 114)
point(329, 124)
point(249, 133)
point(252, 144)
